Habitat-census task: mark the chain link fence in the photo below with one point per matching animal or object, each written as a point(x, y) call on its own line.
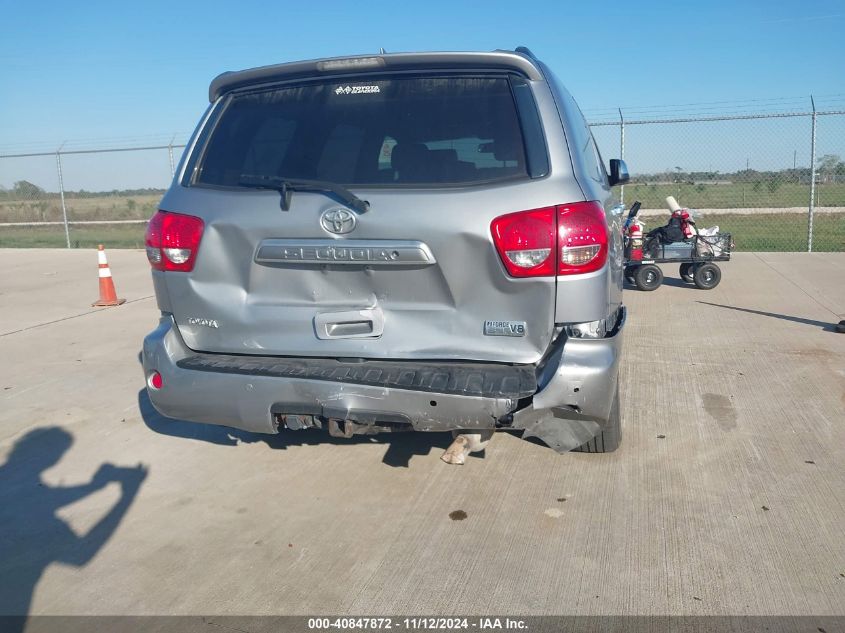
point(775, 181)
point(78, 198)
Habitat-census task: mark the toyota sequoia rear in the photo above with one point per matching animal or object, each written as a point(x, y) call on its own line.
point(416, 241)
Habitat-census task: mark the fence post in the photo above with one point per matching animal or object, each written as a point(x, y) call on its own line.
point(812, 180)
point(621, 152)
point(62, 192)
point(170, 154)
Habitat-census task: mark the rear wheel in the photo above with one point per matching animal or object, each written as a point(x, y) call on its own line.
point(648, 277)
point(609, 439)
point(707, 276)
point(687, 273)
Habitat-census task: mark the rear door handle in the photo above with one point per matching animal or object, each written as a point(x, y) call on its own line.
point(367, 323)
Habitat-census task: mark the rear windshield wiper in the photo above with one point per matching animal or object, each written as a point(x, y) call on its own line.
point(287, 185)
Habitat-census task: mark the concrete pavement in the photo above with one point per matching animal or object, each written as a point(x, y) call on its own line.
point(727, 496)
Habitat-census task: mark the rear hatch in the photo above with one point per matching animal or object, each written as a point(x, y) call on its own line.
point(414, 275)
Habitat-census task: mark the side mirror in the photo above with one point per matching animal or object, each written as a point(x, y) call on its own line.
point(618, 172)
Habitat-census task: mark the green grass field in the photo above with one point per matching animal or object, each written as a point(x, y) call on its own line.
point(762, 194)
point(112, 236)
point(763, 232)
point(736, 195)
point(776, 231)
point(49, 208)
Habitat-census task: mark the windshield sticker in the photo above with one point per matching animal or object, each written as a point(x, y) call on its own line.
point(356, 90)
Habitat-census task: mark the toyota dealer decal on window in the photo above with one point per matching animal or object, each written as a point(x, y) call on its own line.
point(356, 90)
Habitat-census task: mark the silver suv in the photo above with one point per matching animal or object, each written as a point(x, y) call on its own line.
point(414, 241)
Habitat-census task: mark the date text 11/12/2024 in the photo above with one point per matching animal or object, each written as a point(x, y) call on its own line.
point(416, 623)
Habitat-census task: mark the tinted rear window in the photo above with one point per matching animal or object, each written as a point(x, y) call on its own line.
point(411, 130)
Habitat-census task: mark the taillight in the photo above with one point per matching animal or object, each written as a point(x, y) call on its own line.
point(582, 238)
point(526, 242)
point(564, 240)
point(172, 241)
point(152, 240)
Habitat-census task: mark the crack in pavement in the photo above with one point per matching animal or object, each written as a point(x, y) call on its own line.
point(67, 318)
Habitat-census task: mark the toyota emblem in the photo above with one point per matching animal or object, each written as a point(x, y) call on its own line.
point(338, 221)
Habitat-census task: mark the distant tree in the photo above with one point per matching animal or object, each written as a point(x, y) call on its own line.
point(26, 189)
point(828, 163)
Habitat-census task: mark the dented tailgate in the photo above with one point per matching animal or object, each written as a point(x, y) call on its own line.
point(416, 274)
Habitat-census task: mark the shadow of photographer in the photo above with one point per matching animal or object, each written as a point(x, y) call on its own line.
point(33, 535)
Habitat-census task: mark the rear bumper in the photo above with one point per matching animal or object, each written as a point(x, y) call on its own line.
point(574, 390)
point(577, 384)
point(245, 392)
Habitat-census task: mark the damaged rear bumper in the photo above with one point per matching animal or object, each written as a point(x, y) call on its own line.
point(565, 402)
point(259, 393)
point(577, 385)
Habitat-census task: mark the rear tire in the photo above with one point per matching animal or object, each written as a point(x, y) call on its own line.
point(687, 273)
point(610, 438)
point(648, 277)
point(707, 276)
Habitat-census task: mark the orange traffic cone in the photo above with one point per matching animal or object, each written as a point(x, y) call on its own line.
point(108, 295)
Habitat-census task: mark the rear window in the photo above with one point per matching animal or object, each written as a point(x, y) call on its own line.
point(396, 131)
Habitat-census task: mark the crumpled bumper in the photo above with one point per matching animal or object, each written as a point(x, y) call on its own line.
point(577, 386)
point(252, 400)
point(572, 403)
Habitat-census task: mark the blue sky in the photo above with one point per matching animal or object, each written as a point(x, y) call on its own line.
point(95, 73)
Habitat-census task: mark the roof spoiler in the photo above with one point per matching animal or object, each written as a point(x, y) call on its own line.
point(521, 61)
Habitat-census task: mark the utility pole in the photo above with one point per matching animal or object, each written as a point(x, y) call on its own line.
point(745, 180)
point(678, 182)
